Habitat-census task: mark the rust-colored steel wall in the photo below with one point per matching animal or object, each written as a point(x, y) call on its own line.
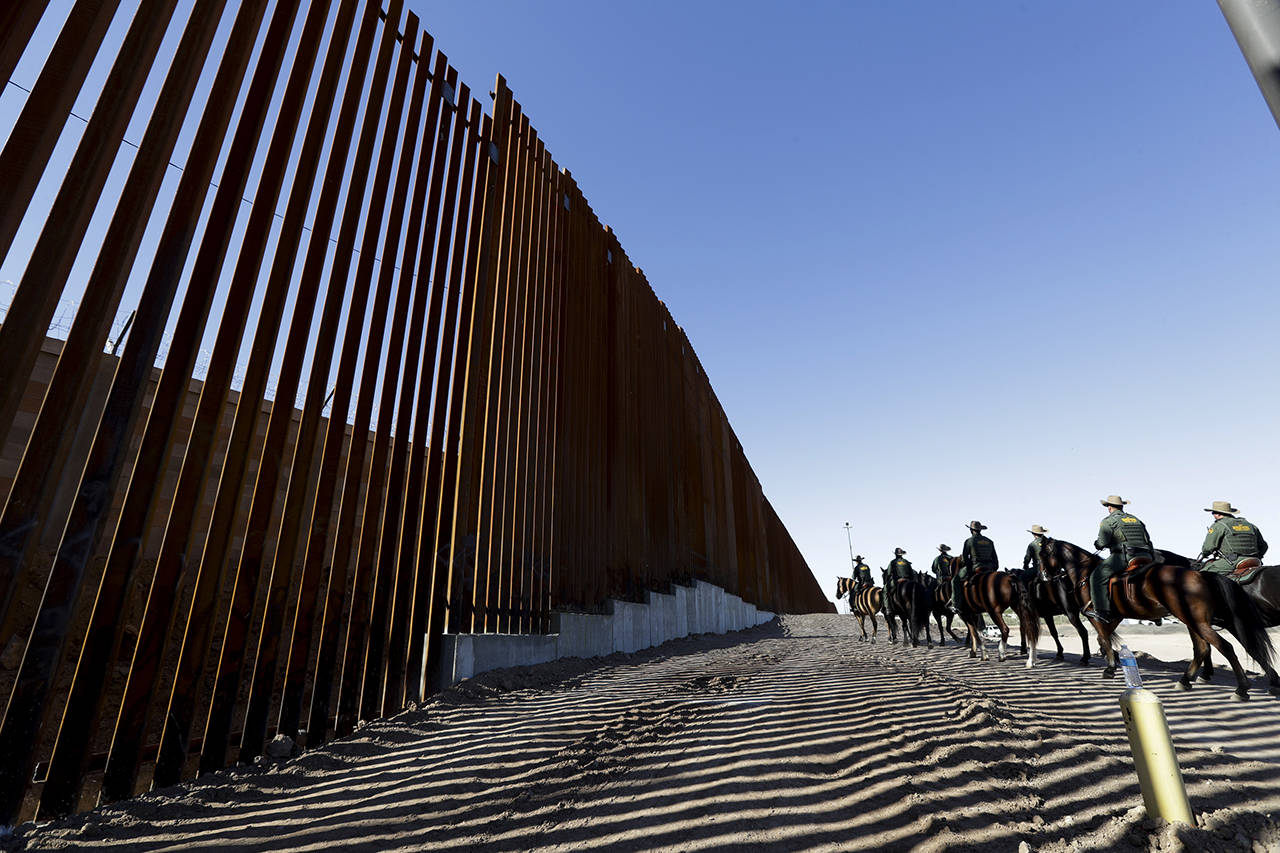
point(518, 425)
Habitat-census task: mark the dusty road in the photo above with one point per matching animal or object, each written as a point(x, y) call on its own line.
point(791, 736)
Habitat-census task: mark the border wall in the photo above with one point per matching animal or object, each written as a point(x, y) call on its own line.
point(499, 421)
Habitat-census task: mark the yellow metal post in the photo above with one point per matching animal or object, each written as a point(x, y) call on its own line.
point(1163, 792)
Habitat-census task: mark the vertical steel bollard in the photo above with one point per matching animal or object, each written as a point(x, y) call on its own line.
point(1163, 792)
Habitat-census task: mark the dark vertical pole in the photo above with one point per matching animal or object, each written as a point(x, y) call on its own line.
point(1256, 26)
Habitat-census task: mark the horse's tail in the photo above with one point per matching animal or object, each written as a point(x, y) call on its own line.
point(1029, 622)
point(921, 610)
point(1245, 621)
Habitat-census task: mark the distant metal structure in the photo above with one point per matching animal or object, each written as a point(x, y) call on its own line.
point(1256, 26)
point(187, 570)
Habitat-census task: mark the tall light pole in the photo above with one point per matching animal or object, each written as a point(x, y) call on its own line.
point(848, 534)
point(1256, 26)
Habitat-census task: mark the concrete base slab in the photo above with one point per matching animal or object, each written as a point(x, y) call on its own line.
point(627, 627)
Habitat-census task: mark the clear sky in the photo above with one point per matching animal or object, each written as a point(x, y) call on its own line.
point(941, 260)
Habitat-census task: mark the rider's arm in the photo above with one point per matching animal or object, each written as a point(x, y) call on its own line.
point(1029, 557)
point(1262, 543)
point(1213, 540)
point(1106, 536)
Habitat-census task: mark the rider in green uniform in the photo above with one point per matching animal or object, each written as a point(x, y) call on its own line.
point(1126, 536)
point(941, 567)
point(1232, 538)
point(978, 554)
point(1033, 560)
point(899, 569)
point(861, 573)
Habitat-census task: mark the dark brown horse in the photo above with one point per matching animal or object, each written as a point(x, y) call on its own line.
point(1165, 589)
point(992, 593)
point(1237, 602)
point(939, 593)
point(1053, 594)
point(909, 602)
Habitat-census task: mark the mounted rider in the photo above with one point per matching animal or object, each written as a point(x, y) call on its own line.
point(941, 567)
point(861, 574)
point(977, 555)
point(1126, 536)
point(1033, 563)
point(1233, 538)
point(898, 570)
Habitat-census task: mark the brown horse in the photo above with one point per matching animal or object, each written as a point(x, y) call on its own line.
point(939, 593)
point(992, 593)
point(864, 603)
point(1257, 594)
point(1053, 594)
point(1164, 589)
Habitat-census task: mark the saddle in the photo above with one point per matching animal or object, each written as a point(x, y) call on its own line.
point(1138, 563)
point(1246, 570)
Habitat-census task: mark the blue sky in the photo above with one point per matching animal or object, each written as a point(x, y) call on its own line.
point(941, 261)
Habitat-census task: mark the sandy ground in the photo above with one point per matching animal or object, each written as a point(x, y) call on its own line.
point(791, 736)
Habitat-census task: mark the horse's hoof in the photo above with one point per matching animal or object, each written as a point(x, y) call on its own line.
point(1241, 694)
point(1109, 672)
point(973, 654)
point(1060, 656)
point(1274, 690)
point(1083, 662)
point(1206, 676)
point(1184, 683)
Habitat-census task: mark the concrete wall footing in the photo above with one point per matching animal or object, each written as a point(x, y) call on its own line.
point(628, 626)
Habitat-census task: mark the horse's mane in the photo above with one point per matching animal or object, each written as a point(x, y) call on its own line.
point(1068, 551)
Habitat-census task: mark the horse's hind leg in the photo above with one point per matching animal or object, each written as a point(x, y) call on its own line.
point(1206, 671)
point(1002, 651)
point(1199, 653)
point(1053, 632)
point(1215, 639)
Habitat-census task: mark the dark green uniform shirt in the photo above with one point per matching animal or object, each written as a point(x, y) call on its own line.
point(862, 574)
point(979, 553)
point(899, 569)
point(1033, 558)
point(941, 566)
point(1126, 535)
point(1235, 538)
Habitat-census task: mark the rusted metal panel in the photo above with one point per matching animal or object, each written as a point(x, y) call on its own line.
point(284, 564)
point(252, 557)
point(405, 551)
point(46, 273)
point(182, 541)
point(103, 469)
point(31, 142)
point(45, 461)
point(421, 524)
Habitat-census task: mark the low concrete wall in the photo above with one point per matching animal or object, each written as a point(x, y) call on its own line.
point(628, 627)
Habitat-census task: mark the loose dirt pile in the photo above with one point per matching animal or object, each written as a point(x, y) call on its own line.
point(790, 736)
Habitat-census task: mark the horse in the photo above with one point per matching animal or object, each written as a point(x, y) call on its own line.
point(864, 603)
point(844, 586)
point(909, 602)
point(1164, 589)
point(992, 593)
point(1052, 594)
point(1259, 592)
point(939, 593)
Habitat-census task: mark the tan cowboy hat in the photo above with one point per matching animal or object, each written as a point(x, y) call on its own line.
point(1222, 507)
point(1115, 501)
point(977, 525)
point(1037, 530)
point(944, 547)
point(898, 552)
